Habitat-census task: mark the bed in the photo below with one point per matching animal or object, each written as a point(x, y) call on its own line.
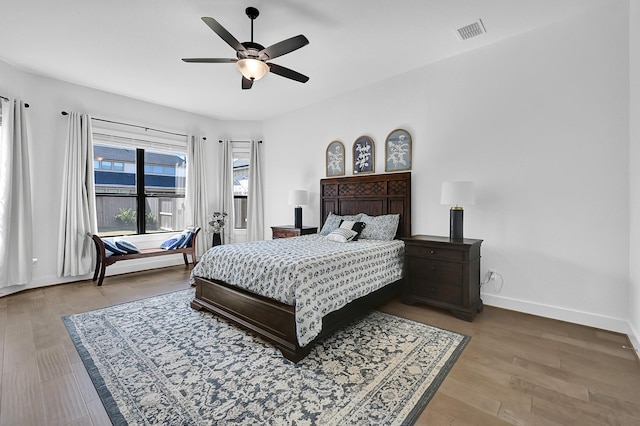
point(275, 320)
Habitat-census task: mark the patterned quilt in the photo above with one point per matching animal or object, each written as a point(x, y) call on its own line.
point(316, 275)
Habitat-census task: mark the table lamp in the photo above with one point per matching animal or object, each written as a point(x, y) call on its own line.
point(457, 194)
point(298, 197)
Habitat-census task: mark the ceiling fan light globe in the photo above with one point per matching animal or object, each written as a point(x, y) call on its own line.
point(252, 69)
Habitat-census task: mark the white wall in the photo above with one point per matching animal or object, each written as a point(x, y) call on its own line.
point(634, 160)
point(47, 138)
point(540, 123)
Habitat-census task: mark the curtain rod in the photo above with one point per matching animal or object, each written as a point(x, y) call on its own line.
point(220, 141)
point(135, 125)
point(26, 105)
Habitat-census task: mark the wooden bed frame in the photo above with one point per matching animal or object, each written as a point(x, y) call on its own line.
point(371, 194)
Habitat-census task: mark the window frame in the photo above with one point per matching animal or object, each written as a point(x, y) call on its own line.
point(241, 150)
point(141, 143)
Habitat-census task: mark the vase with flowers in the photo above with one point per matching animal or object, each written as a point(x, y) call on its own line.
point(217, 221)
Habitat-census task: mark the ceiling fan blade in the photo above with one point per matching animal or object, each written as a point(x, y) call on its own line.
point(283, 47)
point(224, 34)
point(211, 60)
point(287, 73)
point(246, 83)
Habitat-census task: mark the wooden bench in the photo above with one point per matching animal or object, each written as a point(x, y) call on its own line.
point(102, 260)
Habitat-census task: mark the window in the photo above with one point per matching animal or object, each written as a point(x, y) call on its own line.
point(165, 191)
point(140, 188)
point(240, 188)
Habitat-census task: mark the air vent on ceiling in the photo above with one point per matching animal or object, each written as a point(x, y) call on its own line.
point(472, 30)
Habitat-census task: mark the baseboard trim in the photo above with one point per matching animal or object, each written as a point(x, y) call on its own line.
point(633, 339)
point(618, 325)
point(133, 265)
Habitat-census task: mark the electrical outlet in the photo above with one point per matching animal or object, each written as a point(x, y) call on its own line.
point(35, 261)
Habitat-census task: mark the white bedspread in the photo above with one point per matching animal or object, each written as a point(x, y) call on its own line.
point(316, 275)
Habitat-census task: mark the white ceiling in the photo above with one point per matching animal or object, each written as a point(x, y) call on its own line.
point(134, 47)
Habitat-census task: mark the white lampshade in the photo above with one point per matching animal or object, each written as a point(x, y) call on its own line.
point(252, 69)
point(458, 193)
point(298, 197)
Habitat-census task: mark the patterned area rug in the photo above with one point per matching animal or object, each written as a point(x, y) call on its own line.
point(157, 361)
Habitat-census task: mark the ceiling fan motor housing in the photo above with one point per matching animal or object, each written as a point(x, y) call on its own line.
point(252, 50)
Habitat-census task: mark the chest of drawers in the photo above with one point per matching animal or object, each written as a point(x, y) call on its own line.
point(288, 231)
point(443, 273)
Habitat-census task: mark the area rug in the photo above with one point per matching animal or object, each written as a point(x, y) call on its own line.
point(157, 361)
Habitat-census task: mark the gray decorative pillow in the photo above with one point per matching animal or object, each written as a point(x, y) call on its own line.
point(333, 222)
point(380, 227)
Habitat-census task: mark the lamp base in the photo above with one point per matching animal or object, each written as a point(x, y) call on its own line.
point(297, 217)
point(455, 223)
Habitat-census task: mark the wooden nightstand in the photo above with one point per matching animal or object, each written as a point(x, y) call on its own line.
point(444, 273)
point(288, 231)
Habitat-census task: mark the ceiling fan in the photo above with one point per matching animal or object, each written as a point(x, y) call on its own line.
point(252, 57)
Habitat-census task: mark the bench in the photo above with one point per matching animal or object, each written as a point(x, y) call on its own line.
point(102, 260)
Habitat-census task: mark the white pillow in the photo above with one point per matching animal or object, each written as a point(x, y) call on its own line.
point(341, 235)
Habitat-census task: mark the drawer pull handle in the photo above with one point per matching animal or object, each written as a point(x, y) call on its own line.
point(432, 252)
point(433, 268)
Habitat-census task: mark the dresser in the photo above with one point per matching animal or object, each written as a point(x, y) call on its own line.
point(444, 273)
point(288, 231)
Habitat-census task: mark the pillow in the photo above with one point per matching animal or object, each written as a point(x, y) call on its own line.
point(333, 222)
point(109, 246)
point(187, 234)
point(173, 242)
point(380, 227)
point(341, 235)
point(127, 246)
point(354, 226)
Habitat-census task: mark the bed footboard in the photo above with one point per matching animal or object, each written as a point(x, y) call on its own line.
point(275, 321)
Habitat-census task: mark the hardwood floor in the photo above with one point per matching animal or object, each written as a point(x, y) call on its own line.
point(518, 369)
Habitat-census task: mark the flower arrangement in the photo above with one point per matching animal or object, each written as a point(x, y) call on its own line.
point(216, 222)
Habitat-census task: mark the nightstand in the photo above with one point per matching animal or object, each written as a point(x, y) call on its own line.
point(288, 231)
point(443, 273)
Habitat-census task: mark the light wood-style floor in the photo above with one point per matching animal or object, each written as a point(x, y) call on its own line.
point(517, 369)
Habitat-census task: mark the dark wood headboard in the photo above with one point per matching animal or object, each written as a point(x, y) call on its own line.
point(371, 194)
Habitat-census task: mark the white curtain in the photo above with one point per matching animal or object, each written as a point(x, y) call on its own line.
point(16, 228)
point(197, 191)
point(78, 209)
point(255, 209)
point(226, 189)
